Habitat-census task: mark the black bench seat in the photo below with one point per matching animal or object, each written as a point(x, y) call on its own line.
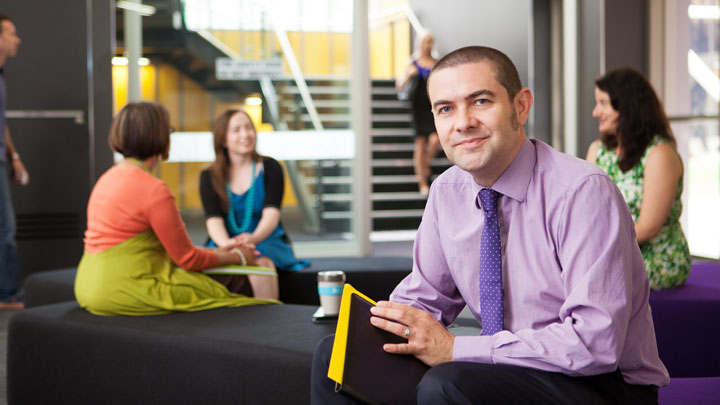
point(254, 355)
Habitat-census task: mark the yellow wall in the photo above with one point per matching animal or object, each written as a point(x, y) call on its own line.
point(381, 60)
point(168, 91)
point(341, 54)
point(401, 34)
point(148, 76)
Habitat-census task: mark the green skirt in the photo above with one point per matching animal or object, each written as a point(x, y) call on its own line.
point(137, 277)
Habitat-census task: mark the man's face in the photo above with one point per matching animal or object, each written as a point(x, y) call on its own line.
point(9, 40)
point(476, 122)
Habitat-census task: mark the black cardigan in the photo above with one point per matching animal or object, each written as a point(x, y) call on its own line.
point(274, 189)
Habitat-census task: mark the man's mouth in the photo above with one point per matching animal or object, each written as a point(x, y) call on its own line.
point(472, 141)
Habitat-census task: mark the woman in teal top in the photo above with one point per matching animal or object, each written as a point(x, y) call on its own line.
point(637, 150)
point(241, 194)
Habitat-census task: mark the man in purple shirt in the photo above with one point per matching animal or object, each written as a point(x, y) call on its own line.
point(576, 324)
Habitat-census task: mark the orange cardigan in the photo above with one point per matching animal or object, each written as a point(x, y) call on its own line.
point(126, 202)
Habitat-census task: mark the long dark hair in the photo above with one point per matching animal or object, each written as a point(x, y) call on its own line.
point(220, 168)
point(641, 115)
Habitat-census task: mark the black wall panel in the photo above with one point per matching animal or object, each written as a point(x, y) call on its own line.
point(62, 68)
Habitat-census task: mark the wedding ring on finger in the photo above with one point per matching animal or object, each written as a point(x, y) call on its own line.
point(406, 333)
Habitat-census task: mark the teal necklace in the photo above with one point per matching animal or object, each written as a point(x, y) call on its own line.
point(250, 199)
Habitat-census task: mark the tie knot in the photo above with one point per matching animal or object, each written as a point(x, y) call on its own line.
point(489, 198)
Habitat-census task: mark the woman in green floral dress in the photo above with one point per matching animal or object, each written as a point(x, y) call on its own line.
point(637, 150)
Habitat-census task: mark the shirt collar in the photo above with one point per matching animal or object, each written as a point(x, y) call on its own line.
point(515, 180)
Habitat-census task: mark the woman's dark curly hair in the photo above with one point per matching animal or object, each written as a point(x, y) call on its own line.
point(641, 115)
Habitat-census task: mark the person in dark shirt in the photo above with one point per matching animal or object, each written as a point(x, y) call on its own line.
point(10, 166)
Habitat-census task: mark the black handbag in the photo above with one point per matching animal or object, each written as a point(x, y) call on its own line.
point(408, 88)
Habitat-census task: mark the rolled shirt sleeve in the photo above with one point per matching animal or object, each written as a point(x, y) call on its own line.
point(430, 286)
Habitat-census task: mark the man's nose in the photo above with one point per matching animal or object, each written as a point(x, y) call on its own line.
point(464, 119)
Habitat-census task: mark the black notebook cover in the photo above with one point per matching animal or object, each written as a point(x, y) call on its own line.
point(370, 373)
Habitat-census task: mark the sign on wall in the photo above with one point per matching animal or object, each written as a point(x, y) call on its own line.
point(247, 69)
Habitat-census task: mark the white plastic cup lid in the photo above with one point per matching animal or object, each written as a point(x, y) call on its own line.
point(334, 275)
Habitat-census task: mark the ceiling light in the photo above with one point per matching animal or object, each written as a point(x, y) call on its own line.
point(703, 12)
point(123, 61)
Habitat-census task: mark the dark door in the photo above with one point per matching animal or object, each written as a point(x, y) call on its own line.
point(59, 105)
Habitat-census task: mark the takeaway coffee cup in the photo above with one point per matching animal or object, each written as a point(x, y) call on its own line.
point(330, 287)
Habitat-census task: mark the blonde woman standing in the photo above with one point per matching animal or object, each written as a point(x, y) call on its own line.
point(426, 143)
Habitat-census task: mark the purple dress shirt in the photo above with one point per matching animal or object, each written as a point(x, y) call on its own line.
point(576, 291)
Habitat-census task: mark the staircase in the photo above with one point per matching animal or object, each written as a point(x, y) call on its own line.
point(396, 202)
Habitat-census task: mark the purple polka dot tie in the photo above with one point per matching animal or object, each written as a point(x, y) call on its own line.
point(491, 293)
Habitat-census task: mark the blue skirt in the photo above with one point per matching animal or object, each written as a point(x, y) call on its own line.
point(277, 250)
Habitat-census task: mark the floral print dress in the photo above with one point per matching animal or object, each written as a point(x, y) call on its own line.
point(666, 256)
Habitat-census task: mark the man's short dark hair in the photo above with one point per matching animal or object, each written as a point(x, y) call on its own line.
point(505, 71)
point(3, 17)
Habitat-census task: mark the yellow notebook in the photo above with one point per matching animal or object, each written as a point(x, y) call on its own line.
point(359, 365)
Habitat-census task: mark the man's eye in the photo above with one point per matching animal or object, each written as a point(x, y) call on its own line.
point(481, 101)
point(443, 110)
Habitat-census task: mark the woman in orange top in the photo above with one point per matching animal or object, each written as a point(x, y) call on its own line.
point(138, 256)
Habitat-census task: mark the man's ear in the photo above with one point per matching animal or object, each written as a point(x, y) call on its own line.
point(523, 102)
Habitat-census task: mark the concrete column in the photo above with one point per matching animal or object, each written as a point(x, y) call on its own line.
point(570, 76)
point(360, 95)
point(133, 50)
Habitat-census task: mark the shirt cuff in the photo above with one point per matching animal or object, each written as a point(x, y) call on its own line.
point(477, 349)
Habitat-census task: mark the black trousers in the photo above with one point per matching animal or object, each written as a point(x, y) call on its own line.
point(476, 383)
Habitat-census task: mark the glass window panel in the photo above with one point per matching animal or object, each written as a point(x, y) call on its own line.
point(699, 144)
point(296, 15)
point(692, 94)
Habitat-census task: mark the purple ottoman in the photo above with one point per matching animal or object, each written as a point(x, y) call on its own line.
point(687, 323)
point(695, 391)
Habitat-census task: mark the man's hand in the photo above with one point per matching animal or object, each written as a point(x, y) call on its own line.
point(428, 340)
point(21, 174)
